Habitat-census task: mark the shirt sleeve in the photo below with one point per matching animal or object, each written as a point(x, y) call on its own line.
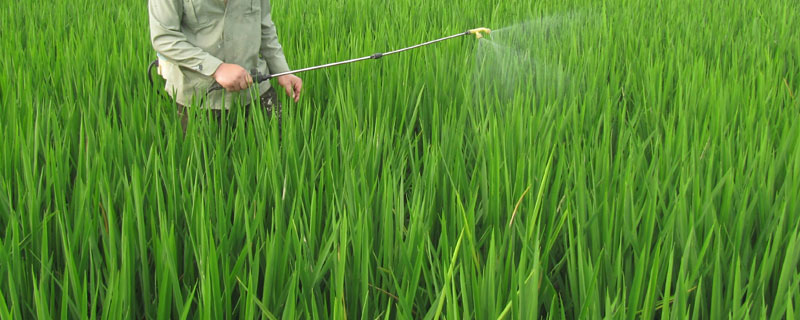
point(170, 42)
point(271, 49)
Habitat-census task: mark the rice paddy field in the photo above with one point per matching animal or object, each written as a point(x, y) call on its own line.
point(590, 159)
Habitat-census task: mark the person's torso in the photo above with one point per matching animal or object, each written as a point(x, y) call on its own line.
point(230, 32)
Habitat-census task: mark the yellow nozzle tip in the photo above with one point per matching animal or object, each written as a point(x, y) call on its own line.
point(478, 32)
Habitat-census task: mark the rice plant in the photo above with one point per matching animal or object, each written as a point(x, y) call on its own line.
point(617, 159)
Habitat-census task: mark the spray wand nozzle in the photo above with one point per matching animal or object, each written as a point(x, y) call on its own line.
point(478, 32)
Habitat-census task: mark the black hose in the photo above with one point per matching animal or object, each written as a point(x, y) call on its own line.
point(154, 63)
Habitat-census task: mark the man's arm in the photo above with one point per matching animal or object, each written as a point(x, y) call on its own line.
point(271, 49)
point(169, 41)
point(272, 52)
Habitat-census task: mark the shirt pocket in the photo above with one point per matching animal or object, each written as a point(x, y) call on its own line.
point(254, 7)
point(200, 13)
point(189, 12)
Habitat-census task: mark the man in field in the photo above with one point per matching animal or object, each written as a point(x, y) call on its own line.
point(200, 41)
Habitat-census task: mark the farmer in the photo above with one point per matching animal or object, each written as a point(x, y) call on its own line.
point(200, 41)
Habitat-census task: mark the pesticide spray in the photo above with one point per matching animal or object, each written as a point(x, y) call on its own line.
point(527, 57)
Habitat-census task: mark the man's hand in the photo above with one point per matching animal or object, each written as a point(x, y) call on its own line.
point(292, 84)
point(233, 77)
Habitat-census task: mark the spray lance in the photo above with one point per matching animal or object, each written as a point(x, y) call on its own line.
point(258, 77)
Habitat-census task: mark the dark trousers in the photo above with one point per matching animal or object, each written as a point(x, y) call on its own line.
point(268, 101)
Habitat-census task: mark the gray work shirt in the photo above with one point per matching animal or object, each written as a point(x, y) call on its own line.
point(193, 37)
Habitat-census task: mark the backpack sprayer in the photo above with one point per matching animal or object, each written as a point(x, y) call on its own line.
point(258, 77)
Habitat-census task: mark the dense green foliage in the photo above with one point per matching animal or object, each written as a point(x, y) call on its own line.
point(618, 159)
